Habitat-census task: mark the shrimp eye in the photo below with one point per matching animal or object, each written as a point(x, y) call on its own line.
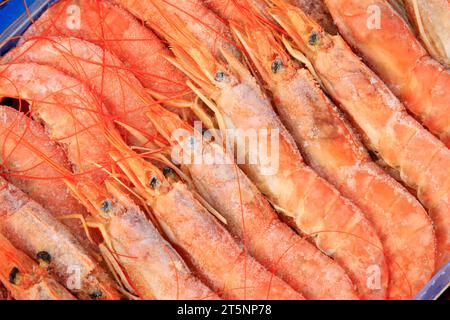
point(13, 275)
point(95, 294)
point(106, 206)
point(168, 171)
point(313, 38)
point(220, 76)
point(277, 65)
point(154, 182)
point(44, 256)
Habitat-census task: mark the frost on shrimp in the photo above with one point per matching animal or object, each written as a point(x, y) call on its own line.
point(337, 226)
point(25, 146)
point(31, 229)
point(124, 96)
point(117, 31)
point(25, 279)
point(250, 217)
point(125, 228)
point(213, 253)
point(402, 143)
point(333, 149)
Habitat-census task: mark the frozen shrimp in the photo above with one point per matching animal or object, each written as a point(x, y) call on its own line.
point(431, 19)
point(196, 17)
point(154, 269)
point(250, 217)
point(117, 31)
point(24, 145)
point(52, 94)
point(124, 96)
point(403, 144)
point(150, 266)
point(333, 149)
point(25, 279)
point(390, 47)
point(202, 240)
point(307, 202)
point(31, 229)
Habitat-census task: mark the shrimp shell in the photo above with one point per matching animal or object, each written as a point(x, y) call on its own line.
point(251, 218)
point(387, 128)
point(24, 145)
point(431, 18)
point(123, 95)
point(29, 281)
point(397, 56)
point(307, 202)
point(32, 230)
point(117, 31)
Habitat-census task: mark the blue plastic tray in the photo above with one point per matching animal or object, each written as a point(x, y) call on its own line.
point(17, 15)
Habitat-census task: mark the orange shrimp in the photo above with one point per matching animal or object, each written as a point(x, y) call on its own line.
point(269, 288)
point(318, 11)
point(21, 139)
point(230, 9)
point(25, 279)
point(421, 159)
point(124, 96)
point(332, 148)
point(34, 231)
point(431, 19)
point(214, 254)
point(251, 218)
point(150, 266)
point(153, 268)
point(196, 17)
point(387, 43)
point(54, 95)
point(117, 31)
point(307, 202)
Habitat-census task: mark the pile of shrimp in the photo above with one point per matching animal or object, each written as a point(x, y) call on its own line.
point(107, 109)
